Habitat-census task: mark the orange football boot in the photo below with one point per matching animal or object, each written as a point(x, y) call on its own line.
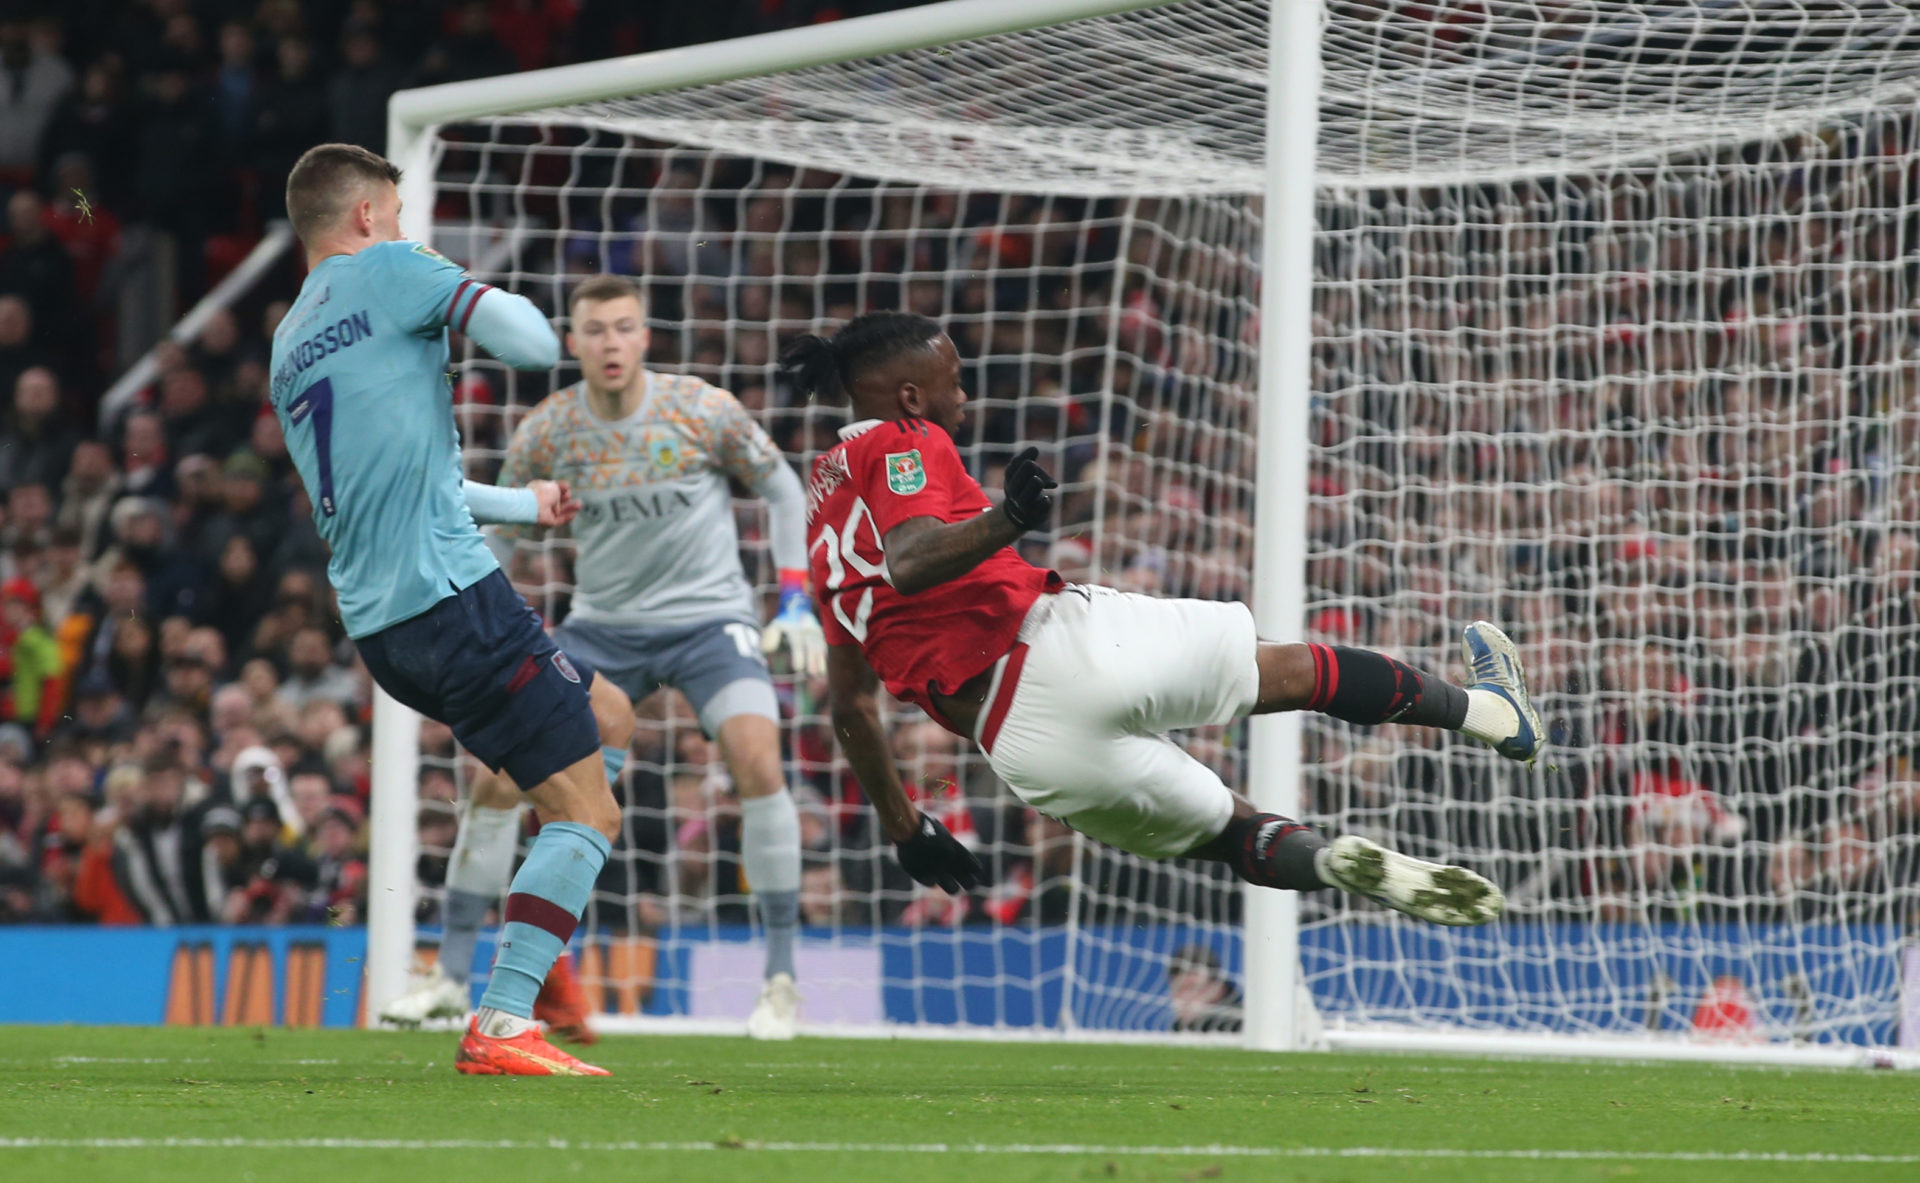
point(525, 1054)
point(562, 1005)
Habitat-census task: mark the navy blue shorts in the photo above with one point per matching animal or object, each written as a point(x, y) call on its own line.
point(479, 662)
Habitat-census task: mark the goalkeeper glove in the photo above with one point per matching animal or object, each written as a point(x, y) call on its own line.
point(938, 859)
point(1028, 504)
point(796, 627)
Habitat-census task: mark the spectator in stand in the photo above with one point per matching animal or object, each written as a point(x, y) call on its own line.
point(161, 862)
point(312, 792)
point(172, 578)
point(246, 511)
point(273, 877)
point(35, 265)
point(32, 84)
point(86, 496)
point(177, 178)
point(36, 446)
point(31, 660)
point(100, 721)
point(236, 90)
point(193, 425)
point(357, 96)
point(294, 115)
point(470, 50)
point(145, 463)
point(239, 595)
point(312, 675)
point(339, 894)
point(29, 519)
point(18, 353)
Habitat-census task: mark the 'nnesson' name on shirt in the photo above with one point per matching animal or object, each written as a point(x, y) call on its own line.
point(349, 330)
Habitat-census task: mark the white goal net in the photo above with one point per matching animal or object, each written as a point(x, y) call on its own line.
point(1614, 341)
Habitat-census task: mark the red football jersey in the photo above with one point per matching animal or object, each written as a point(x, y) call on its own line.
point(881, 474)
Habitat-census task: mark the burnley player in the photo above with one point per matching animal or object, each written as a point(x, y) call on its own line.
point(1069, 689)
point(660, 600)
point(360, 388)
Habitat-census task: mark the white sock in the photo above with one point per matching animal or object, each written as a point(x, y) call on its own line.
point(1490, 718)
point(770, 842)
point(498, 1024)
point(483, 853)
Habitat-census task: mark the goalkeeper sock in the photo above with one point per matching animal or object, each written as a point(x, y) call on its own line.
point(482, 857)
point(543, 908)
point(1268, 850)
point(1361, 686)
point(770, 856)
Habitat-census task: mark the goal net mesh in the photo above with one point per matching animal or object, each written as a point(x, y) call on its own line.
point(1614, 343)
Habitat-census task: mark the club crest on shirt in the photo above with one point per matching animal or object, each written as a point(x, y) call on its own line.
point(905, 473)
point(561, 663)
point(666, 454)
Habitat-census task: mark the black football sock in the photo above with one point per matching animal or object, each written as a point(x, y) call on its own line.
point(1361, 686)
point(1268, 850)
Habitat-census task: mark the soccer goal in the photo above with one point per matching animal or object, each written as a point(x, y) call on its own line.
point(1596, 319)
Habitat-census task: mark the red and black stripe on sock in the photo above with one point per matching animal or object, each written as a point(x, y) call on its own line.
point(1268, 850)
point(1361, 686)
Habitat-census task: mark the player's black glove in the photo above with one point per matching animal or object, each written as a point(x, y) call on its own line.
point(1028, 504)
point(936, 858)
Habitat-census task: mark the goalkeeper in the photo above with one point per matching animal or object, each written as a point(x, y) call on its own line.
point(360, 389)
point(660, 601)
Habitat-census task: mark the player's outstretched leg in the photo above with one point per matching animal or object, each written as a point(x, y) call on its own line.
point(1268, 850)
point(579, 819)
point(1369, 688)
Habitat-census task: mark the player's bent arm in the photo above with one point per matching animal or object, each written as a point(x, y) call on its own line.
point(492, 505)
point(513, 329)
point(855, 692)
point(927, 552)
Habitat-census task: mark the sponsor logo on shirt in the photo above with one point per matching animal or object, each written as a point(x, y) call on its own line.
point(638, 506)
point(905, 473)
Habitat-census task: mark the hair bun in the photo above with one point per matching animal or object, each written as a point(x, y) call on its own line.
point(813, 366)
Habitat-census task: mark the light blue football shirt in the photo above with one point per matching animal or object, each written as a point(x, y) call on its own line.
point(361, 388)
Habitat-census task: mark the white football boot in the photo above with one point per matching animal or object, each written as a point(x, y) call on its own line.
point(1493, 664)
point(777, 1014)
point(433, 995)
point(1432, 891)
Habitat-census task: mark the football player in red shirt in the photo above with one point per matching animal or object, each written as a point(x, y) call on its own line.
point(1069, 690)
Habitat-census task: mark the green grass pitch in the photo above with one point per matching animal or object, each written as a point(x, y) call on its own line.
point(285, 1106)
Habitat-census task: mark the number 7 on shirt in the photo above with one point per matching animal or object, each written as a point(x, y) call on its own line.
point(317, 401)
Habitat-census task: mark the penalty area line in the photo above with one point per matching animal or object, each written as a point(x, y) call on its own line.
point(1011, 1148)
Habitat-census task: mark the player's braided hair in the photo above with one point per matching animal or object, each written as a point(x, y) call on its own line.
point(825, 368)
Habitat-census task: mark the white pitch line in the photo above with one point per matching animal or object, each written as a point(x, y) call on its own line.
point(563, 1144)
point(161, 1060)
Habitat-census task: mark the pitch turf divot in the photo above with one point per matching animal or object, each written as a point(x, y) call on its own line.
point(1215, 1151)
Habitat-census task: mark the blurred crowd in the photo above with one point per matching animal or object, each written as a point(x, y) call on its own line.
point(183, 732)
point(1658, 422)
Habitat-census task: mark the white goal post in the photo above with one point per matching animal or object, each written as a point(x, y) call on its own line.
point(1586, 317)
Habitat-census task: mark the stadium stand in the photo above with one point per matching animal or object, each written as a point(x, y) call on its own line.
point(176, 674)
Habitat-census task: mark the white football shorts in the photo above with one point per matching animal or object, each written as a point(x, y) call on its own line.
point(1097, 679)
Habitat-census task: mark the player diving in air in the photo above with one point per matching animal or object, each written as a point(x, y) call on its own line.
point(1070, 689)
point(659, 600)
point(360, 388)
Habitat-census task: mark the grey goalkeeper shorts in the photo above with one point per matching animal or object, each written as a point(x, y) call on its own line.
point(716, 663)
